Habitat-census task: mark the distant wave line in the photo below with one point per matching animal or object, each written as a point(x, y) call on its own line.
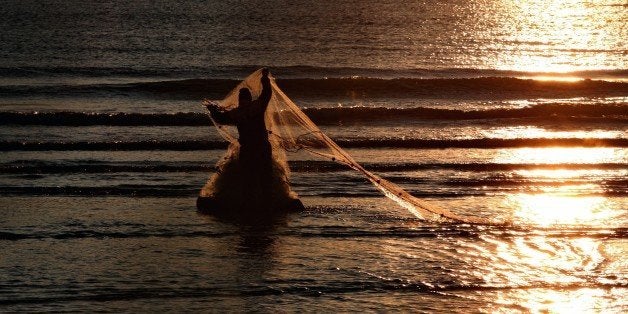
point(593, 113)
point(353, 87)
point(608, 188)
point(325, 233)
point(34, 167)
point(296, 71)
point(193, 145)
point(283, 287)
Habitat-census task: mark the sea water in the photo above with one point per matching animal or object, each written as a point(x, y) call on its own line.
point(512, 110)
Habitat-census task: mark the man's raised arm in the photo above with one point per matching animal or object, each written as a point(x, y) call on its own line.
point(267, 90)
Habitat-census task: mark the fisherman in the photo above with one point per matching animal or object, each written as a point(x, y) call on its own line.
point(249, 180)
point(255, 150)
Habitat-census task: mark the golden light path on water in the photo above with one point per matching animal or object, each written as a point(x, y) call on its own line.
point(560, 257)
point(574, 25)
point(560, 204)
point(546, 210)
point(552, 301)
point(514, 132)
point(558, 269)
point(558, 274)
point(561, 155)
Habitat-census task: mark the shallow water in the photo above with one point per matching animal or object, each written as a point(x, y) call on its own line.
point(118, 231)
point(342, 253)
point(104, 147)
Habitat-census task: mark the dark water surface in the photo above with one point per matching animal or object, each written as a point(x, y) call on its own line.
point(514, 110)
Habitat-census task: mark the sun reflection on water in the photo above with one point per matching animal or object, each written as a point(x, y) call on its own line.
point(585, 300)
point(560, 268)
point(561, 203)
point(560, 155)
point(549, 209)
point(542, 25)
point(514, 132)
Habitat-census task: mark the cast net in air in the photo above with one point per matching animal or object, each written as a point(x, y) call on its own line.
point(290, 130)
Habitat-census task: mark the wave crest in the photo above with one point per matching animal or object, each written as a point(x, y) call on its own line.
point(593, 113)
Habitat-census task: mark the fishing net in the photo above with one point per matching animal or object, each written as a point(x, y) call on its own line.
point(291, 131)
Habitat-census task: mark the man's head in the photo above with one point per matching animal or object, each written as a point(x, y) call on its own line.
point(245, 96)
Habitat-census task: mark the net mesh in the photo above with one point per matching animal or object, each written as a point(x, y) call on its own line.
point(290, 130)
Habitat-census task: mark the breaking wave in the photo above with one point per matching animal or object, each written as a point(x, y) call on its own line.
point(30, 167)
point(193, 145)
point(490, 87)
point(544, 112)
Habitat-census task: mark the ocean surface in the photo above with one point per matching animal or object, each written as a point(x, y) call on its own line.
point(510, 110)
